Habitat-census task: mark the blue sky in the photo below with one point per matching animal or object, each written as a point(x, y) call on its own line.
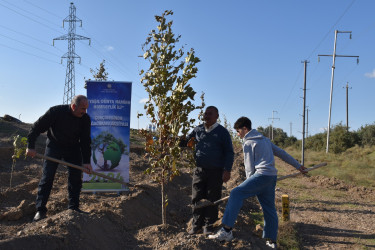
point(251, 55)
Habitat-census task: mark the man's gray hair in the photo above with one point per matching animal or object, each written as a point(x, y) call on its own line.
point(77, 100)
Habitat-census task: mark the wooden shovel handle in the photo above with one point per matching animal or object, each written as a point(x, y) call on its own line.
point(80, 168)
point(298, 173)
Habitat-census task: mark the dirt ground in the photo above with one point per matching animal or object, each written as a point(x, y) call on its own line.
point(326, 213)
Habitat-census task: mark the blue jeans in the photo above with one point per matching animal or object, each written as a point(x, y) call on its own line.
point(263, 187)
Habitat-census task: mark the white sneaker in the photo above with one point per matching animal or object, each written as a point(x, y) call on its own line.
point(271, 244)
point(222, 235)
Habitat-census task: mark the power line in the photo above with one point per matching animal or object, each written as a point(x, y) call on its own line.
point(47, 11)
point(25, 52)
point(333, 26)
point(25, 10)
point(26, 35)
point(28, 45)
point(29, 18)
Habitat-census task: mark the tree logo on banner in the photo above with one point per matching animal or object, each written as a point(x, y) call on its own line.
point(107, 151)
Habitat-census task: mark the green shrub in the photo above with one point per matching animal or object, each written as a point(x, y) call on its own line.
point(367, 135)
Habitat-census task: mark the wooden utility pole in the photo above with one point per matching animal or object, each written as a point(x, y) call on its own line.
point(332, 77)
point(303, 114)
point(307, 121)
point(291, 126)
point(347, 107)
point(273, 118)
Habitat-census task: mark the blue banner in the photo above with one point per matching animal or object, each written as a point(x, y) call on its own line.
point(109, 110)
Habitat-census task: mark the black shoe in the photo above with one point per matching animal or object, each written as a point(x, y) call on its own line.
point(208, 230)
point(195, 230)
point(40, 215)
point(78, 210)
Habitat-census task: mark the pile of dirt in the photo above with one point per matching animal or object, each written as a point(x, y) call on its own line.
point(131, 220)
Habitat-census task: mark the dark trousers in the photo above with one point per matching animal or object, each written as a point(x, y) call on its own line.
point(49, 170)
point(207, 184)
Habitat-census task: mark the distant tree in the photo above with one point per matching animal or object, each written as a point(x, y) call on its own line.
point(170, 101)
point(367, 135)
point(290, 141)
point(232, 133)
point(316, 142)
point(262, 130)
point(280, 138)
point(341, 139)
point(100, 74)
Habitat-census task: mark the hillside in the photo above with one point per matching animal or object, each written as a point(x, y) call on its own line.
point(325, 213)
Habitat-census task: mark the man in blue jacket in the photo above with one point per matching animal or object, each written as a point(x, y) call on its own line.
point(261, 176)
point(214, 158)
point(68, 137)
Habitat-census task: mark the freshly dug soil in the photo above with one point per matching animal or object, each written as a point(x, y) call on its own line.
point(327, 213)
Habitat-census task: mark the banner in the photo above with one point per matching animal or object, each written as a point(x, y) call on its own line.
point(109, 110)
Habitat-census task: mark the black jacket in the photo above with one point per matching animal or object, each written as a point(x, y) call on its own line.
point(65, 131)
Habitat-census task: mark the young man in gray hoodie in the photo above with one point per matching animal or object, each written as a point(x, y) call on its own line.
point(261, 176)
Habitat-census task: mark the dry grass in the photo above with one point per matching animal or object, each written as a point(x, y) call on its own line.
point(355, 166)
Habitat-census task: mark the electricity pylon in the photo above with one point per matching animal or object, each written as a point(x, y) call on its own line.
point(69, 89)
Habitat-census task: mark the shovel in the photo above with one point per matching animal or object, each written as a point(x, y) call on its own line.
point(206, 203)
point(80, 168)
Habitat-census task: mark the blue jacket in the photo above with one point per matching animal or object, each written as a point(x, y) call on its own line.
point(213, 149)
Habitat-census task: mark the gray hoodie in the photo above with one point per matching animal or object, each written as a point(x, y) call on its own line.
point(258, 155)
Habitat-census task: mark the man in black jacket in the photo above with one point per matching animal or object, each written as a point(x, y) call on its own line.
point(68, 138)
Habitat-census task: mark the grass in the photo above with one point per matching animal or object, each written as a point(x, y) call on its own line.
point(288, 236)
point(355, 166)
point(257, 218)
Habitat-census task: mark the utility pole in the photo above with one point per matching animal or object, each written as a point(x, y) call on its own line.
point(347, 107)
point(273, 118)
point(69, 89)
point(307, 122)
point(332, 77)
point(303, 114)
point(291, 124)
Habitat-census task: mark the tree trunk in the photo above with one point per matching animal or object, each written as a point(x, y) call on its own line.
point(163, 200)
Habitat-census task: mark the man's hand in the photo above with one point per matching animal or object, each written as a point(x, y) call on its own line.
point(88, 168)
point(30, 152)
point(226, 176)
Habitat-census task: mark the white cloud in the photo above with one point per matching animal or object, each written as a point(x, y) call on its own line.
point(370, 75)
point(143, 100)
point(109, 48)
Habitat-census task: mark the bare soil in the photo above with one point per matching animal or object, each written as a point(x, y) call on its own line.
point(326, 213)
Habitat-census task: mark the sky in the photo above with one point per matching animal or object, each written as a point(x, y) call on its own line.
point(251, 52)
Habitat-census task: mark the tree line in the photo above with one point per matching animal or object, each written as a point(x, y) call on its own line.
point(340, 138)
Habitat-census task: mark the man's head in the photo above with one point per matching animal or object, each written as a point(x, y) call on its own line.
point(79, 105)
point(242, 126)
point(210, 116)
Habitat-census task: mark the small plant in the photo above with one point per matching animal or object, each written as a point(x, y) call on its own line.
point(20, 145)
